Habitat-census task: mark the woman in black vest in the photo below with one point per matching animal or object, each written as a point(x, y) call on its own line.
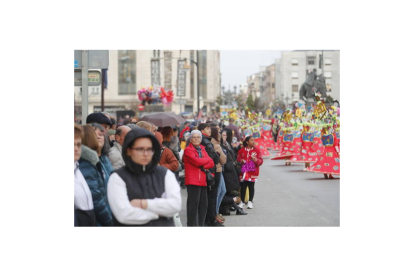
point(143, 193)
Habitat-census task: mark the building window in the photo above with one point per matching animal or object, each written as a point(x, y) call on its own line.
point(294, 75)
point(294, 62)
point(295, 88)
point(311, 61)
point(127, 72)
point(328, 61)
point(273, 85)
point(328, 87)
point(328, 75)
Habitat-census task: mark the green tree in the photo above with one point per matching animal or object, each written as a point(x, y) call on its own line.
point(250, 102)
point(329, 99)
point(219, 101)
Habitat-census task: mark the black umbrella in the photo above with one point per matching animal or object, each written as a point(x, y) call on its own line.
point(163, 119)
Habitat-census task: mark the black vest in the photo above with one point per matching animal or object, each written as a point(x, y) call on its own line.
point(145, 186)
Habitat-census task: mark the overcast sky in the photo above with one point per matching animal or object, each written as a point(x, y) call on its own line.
point(236, 65)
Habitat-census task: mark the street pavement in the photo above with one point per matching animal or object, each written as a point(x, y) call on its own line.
point(287, 196)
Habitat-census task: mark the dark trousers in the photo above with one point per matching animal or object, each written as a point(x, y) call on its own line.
point(212, 199)
point(196, 205)
point(244, 186)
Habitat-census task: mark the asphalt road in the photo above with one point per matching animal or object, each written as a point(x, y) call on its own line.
point(287, 196)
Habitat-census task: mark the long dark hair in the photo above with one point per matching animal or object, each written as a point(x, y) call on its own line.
point(228, 132)
point(215, 133)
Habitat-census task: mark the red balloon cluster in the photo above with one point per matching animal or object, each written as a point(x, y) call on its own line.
point(155, 95)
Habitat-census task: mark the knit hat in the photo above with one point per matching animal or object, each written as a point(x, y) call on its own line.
point(111, 132)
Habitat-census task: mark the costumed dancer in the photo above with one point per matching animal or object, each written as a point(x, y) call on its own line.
point(317, 146)
point(328, 162)
point(297, 142)
point(279, 143)
point(269, 142)
point(338, 137)
point(307, 155)
point(287, 150)
point(259, 140)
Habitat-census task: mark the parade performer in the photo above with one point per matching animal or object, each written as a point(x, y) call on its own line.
point(317, 146)
point(328, 162)
point(279, 144)
point(259, 140)
point(287, 149)
point(337, 136)
point(306, 154)
point(267, 134)
point(296, 144)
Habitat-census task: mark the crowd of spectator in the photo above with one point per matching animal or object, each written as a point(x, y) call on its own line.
point(129, 173)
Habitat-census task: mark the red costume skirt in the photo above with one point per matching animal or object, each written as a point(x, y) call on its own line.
point(286, 151)
point(306, 154)
point(328, 162)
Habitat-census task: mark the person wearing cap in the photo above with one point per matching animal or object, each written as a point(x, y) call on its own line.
point(99, 118)
point(142, 193)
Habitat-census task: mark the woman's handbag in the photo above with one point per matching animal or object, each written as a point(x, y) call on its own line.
point(209, 177)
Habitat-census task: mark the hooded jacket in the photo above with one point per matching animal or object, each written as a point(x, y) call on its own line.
point(152, 182)
point(96, 173)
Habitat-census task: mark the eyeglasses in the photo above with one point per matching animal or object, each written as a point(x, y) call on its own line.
point(195, 137)
point(141, 151)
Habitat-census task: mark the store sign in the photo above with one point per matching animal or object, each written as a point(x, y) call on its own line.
point(109, 109)
point(182, 74)
point(168, 70)
point(155, 72)
point(97, 59)
point(94, 78)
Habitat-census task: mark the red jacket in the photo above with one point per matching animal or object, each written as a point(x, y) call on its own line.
point(192, 163)
point(259, 160)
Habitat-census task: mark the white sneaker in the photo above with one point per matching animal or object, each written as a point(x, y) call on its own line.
point(249, 205)
point(241, 204)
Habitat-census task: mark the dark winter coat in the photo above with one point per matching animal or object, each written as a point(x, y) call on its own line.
point(206, 142)
point(96, 173)
point(231, 177)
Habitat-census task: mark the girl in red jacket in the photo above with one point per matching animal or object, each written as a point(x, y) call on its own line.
point(251, 159)
point(195, 160)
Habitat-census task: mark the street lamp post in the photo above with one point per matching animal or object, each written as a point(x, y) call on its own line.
point(198, 84)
